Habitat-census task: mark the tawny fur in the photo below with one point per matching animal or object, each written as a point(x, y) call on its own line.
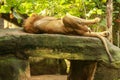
point(67, 25)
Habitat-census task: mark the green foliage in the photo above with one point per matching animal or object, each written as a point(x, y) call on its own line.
point(116, 7)
point(118, 1)
point(84, 8)
point(5, 9)
point(81, 8)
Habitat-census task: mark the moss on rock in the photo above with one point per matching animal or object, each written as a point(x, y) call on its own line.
point(12, 68)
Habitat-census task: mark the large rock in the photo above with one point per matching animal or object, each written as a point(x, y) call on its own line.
point(12, 68)
point(55, 46)
point(73, 48)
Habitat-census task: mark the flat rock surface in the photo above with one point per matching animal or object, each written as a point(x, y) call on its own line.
point(55, 46)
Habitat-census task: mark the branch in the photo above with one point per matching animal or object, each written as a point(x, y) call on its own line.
point(6, 16)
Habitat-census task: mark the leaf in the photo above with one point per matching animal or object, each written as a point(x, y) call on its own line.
point(19, 20)
point(116, 12)
point(4, 9)
point(118, 1)
point(103, 22)
point(99, 11)
point(104, 1)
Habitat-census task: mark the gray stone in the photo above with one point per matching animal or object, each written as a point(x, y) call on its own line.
point(76, 48)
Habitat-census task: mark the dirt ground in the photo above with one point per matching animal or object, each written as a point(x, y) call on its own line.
point(49, 77)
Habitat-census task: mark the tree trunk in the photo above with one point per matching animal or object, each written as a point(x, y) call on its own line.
point(109, 18)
